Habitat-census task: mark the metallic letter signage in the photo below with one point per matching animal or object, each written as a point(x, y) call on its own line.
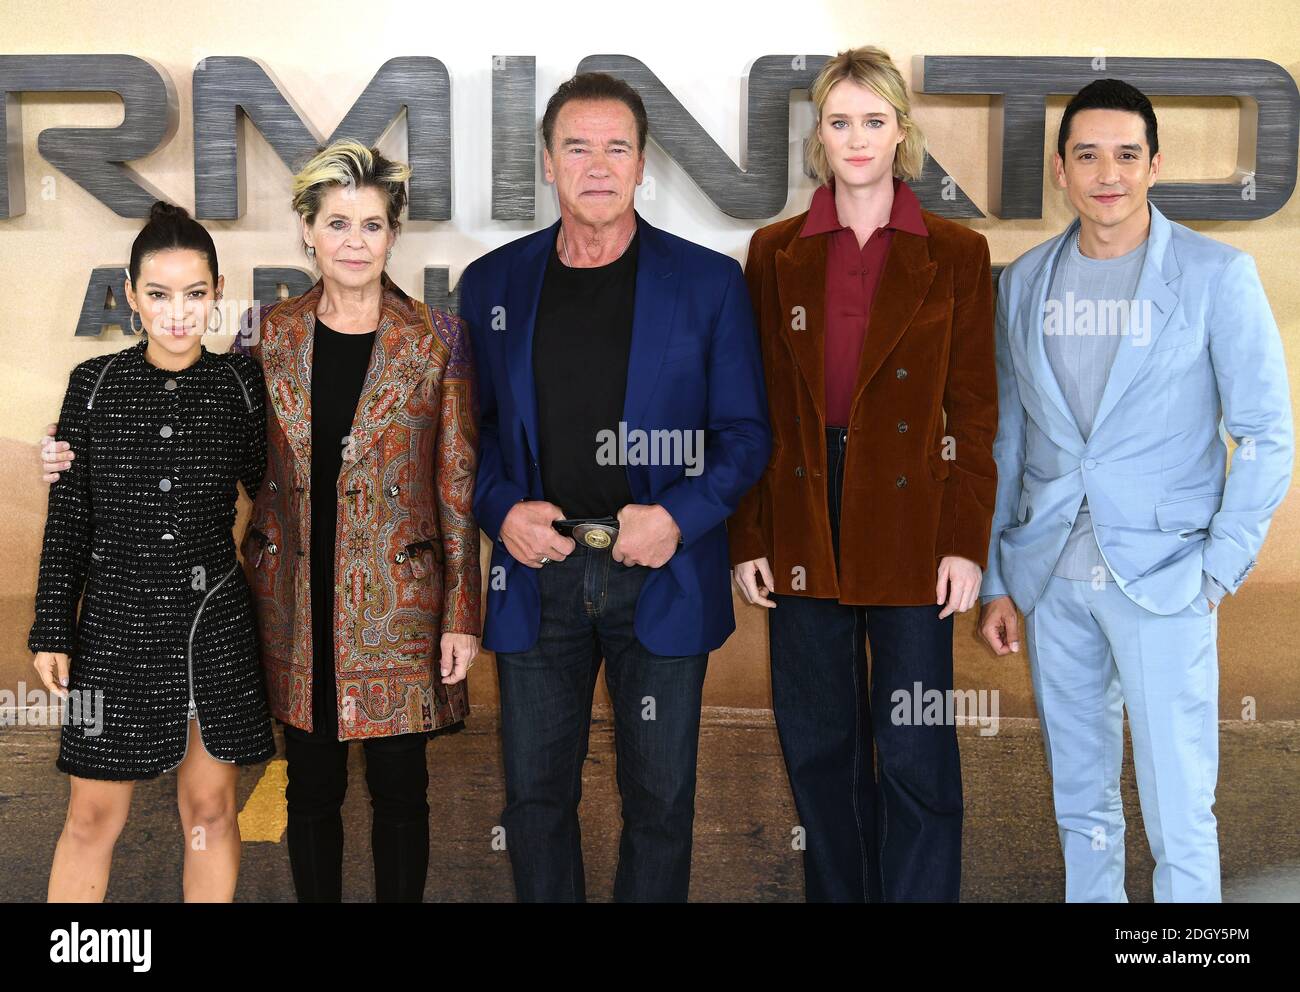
point(226, 85)
point(759, 189)
point(1266, 151)
point(92, 157)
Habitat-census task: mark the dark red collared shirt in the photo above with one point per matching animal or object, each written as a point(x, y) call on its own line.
point(852, 276)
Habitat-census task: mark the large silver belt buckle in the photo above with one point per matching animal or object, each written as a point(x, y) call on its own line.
point(598, 536)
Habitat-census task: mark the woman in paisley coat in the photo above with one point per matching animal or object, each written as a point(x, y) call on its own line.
point(362, 551)
point(158, 668)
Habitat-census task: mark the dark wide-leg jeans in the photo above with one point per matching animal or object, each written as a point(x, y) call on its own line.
point(879, 798)
point(588, 606)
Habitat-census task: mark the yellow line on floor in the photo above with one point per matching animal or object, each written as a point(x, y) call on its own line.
point(264, 816)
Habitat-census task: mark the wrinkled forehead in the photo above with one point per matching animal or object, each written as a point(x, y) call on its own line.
point(595, 122)
point(353, 201)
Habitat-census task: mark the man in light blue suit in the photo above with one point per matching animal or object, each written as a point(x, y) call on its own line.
point(1122, 344)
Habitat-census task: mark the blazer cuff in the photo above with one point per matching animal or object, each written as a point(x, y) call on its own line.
point(1227, 565)
point(746, 547)
point(991, 584)
point(963, 526)
point(1212, 589)
point(968, 546)
point(493, 507)
point(679, 504)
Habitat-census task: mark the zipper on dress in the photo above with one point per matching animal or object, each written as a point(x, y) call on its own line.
point(189, 671)
point(90, 403)
point(244, 389)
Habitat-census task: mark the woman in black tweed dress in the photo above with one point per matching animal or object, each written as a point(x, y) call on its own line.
point(163, 652)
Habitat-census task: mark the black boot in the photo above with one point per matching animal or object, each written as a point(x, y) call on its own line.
point(316, 857)
point(401, 854)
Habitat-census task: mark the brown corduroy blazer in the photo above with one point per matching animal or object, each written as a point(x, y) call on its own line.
point(917, 486)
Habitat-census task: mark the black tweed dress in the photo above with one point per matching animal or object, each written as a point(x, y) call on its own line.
point(142, 523)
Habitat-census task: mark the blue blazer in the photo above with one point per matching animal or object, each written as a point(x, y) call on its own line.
point(1153, 467)
point(694, 364)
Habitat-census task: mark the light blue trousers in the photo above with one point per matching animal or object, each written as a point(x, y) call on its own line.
point(1093, 653)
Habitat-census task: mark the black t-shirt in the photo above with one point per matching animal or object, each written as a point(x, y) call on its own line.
point(581, 343)
point(338, 371)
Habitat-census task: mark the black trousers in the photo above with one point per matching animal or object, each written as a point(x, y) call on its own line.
point(398, 779)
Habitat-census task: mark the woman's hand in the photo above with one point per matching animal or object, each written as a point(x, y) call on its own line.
point(53, 669)
point(959, 584)
point(747, 575)
point(458, 653)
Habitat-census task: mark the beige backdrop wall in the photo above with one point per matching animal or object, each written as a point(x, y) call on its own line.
point(325, 52)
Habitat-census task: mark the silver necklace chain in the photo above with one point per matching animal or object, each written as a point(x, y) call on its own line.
point(564, 247)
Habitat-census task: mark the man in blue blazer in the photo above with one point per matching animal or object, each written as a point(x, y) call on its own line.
point(623, 416)
point(1123, 346)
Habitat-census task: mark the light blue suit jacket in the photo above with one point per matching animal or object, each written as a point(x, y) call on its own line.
point(1153, 468)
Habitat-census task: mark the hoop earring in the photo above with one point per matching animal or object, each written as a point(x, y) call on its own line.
point(213, 330)
point(131, 323)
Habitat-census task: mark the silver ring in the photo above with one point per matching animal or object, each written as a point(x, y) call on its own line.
point(544, 560)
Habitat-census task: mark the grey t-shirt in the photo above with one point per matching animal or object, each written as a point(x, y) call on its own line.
point(1087, 316)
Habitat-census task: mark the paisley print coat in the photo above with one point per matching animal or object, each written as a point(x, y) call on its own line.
point(407, 547)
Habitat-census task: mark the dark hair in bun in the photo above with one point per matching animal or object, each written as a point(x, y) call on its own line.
point(170, 226)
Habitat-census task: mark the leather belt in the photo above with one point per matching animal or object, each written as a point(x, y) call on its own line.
point(595, 532)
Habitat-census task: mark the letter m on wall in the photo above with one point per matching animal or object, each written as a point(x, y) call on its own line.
point(228, 87)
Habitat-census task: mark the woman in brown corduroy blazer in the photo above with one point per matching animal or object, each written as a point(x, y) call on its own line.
point(870, 527)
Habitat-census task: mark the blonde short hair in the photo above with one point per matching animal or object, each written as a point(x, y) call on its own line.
point(870, 67)
point(349, 163)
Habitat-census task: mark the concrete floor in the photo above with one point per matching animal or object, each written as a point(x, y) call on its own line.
point(743, 821)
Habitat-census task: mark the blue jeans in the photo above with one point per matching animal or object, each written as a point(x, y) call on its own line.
point(588, 605)
point(880, 800)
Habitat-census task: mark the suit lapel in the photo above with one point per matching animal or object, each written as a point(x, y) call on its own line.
point(655, 303)
point(398, 362)
point(908, 275)
point(286, 360)
point(1031, 320)
point(801, 286)
point(523, 292)
point(1159, 268)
